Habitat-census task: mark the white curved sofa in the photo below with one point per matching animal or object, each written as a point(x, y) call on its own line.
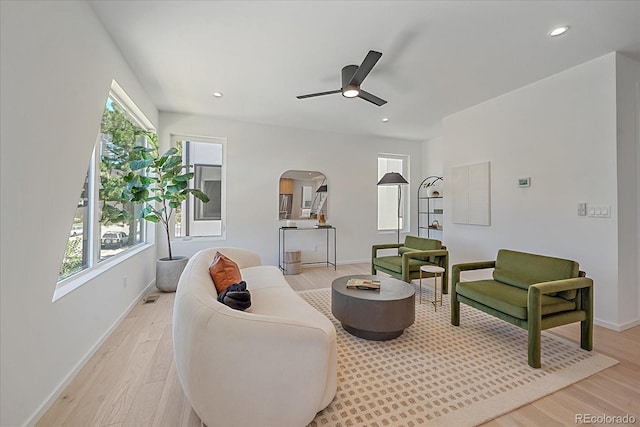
point(274, 364)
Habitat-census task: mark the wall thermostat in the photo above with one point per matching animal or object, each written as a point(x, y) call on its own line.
point(524, 182)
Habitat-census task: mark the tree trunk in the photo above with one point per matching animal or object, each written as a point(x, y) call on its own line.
point(166, 229)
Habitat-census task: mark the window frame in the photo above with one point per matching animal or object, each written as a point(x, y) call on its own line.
point(95, 265)
point(183, 137)
point(405, 199)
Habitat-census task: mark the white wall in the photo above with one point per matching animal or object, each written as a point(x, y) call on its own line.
point(561, 132)
point(56, 69)
point(638, 184)
point(628, 120)
point(256, 157)
point(432, 157)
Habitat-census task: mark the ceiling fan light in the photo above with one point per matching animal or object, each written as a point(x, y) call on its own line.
point(350, 91)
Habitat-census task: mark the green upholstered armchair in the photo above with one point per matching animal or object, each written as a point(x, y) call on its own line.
point(531, 291)
point(412, 254)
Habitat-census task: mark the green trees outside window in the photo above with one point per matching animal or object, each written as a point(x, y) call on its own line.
point(106, 224)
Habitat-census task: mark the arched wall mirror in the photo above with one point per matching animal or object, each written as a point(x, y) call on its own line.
point(302, 195)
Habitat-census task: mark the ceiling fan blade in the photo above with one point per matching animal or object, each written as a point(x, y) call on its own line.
point(365, 68)
point(311, 95)
point(371, 98)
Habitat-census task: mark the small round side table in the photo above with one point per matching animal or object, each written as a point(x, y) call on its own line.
point(436, 271)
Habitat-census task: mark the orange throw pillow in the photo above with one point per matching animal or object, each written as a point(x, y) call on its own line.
point(224, 272)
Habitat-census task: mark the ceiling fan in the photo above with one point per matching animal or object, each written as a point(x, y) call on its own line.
point(352, 78)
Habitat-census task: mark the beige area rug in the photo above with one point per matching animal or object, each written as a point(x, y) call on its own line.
point(439, 374)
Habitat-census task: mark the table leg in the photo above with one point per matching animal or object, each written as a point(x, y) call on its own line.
point(435, 291)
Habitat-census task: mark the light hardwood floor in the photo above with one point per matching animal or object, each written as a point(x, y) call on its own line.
point(131, 379)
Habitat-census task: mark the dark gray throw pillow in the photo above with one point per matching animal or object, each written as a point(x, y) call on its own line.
point(236, 296)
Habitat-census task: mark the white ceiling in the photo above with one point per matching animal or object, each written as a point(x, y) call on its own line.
point(439, 57)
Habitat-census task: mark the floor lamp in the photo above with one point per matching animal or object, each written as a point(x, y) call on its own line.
point(394, 178)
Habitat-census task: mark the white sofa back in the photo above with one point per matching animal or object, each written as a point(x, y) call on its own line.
point(272, 365)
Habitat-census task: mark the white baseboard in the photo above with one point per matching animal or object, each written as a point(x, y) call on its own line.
point(357, 261)
point(58, 391)
point(618, 327)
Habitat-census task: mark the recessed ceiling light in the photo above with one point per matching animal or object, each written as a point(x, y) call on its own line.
point(385, 119)
point(559, 31)
point(217, 94)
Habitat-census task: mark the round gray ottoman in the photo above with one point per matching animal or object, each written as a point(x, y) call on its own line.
point(373, 315)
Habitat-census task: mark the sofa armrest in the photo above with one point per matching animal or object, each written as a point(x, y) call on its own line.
point(246, 356)
point(442, 258)
point(424, 254)
point(421, 255)
point(534, 312)
point(457, 268)
point(242, 257)
point(375, 248)
point(536, 291)
point(544, 288)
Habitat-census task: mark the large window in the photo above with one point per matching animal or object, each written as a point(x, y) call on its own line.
point(388, 195)
point(195, 218)
point(105, 225)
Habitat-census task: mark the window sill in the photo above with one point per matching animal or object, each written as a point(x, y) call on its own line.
point(198, 238)
point(74, 282)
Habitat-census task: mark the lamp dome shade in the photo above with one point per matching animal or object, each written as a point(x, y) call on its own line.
point(392, 178)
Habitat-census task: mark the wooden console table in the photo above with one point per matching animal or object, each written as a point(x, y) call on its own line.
point(330, 233)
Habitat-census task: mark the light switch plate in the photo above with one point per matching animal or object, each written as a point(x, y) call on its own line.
point(599, 211)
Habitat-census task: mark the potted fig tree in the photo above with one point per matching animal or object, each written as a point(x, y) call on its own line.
point(160, 183)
